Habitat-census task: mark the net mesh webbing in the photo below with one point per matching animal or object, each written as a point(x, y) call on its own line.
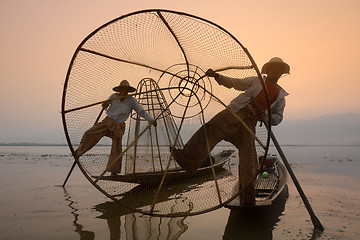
point(164, 55)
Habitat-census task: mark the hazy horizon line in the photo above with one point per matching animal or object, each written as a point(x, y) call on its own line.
point(27, 144)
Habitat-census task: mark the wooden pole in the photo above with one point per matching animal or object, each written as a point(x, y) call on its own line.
point(316, 222)
point(67, 177)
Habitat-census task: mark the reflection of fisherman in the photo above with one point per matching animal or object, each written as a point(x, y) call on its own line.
point(138, 226)
point(113, 125)
point(258, 223)
point(224, 126)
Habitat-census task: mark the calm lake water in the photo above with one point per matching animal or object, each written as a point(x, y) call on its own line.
point(33, 206)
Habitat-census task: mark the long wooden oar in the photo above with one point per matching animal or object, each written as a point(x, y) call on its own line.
point(72, 167)
point(316, 222)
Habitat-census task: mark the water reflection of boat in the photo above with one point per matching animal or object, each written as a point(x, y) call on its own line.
point(255, 223)
point(268, 187)
point(142, 195)
point(125, 224)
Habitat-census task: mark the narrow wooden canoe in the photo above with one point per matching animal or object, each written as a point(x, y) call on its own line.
point(152, 177)
point(267, 188)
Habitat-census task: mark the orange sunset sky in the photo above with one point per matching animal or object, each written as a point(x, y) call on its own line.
point(319, 39)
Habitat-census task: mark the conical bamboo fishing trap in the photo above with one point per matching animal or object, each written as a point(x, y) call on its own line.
point(164, 55)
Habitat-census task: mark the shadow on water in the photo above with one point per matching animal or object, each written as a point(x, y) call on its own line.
point(143, 195)
point(137, 226)
point(258, 223)
point(84, 235)
point(255, 223)
point(124, 223)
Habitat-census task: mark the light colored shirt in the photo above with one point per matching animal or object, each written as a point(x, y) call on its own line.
point(251, 87)
point(121, 110)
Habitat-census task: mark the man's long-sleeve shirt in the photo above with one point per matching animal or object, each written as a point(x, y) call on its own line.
point(121, 110)
point(252, 87)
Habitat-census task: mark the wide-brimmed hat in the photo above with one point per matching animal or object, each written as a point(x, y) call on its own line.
point(124, 84)
point(275, 61)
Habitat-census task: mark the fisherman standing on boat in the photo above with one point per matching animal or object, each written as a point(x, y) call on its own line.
point(250, 106)
point(113, 125)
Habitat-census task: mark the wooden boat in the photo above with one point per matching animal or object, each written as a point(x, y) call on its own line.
point(267, 189)
point(174, 173)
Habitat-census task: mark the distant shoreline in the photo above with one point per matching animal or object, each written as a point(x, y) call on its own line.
point(33, 144)
point(283, 145)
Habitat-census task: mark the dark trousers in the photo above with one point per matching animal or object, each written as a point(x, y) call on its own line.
point(225, 126)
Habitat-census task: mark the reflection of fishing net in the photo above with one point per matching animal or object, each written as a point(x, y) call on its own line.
point(123, 222)
point(164, 54)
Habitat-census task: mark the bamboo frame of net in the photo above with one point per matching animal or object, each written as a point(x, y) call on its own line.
point(84, 49)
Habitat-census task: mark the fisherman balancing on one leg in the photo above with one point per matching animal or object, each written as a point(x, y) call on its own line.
point(113, 125)
point(225, 126)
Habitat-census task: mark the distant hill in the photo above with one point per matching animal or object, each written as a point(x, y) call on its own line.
point(339, 129)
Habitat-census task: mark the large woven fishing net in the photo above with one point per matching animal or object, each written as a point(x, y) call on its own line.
point(164, 55)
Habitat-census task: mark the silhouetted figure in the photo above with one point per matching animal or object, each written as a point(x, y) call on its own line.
point(251, 107)
point(113, 125)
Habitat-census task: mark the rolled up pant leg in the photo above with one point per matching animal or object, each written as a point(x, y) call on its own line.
point(91, 137)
